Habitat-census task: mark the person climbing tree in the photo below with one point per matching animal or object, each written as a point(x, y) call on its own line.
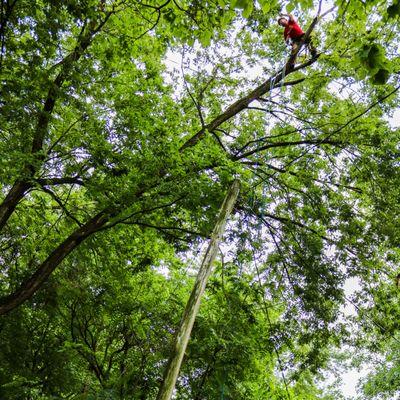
point(293, 34)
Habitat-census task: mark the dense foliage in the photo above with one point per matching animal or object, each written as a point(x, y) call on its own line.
point(114, 160)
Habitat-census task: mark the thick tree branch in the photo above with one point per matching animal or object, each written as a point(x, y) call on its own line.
point(239, 106)
point(268, 85)
point(20, 187)
point(31, 285)
point(7, 8)
point(84, 41)
point(37, 279)
point(264, 88)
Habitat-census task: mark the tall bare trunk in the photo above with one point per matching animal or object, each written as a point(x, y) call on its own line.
point(182, 335)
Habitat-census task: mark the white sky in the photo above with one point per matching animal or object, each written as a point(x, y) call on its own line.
point(395, 120)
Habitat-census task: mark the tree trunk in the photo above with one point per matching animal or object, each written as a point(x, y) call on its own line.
point(9, 204)
point(192, 306)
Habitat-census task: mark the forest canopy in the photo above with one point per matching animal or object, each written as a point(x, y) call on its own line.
point(123, 123)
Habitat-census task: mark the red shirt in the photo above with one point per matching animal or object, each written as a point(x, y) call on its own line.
point(292, 31)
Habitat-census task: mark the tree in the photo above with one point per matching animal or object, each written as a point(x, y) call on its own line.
point(108, 170)
point(183, 332)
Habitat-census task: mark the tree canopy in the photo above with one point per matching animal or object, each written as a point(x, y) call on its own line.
point(122, 125)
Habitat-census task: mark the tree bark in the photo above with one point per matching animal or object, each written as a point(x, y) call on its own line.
point(31, 285)
point(16, 193)
point(18, 190)
point(182, 335)
point(255, 94)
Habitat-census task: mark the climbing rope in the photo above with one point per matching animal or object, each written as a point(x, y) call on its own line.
point(273, 80)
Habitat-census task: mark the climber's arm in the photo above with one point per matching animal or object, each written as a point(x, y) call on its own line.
point(290, 16)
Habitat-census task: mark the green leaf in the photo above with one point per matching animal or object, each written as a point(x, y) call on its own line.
point(394, 10)
point(205, 38)
point(266, 5)
point(242, 4)
point(375, 57)
point(381, 77)
point(248, 9)
point(290, 7)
